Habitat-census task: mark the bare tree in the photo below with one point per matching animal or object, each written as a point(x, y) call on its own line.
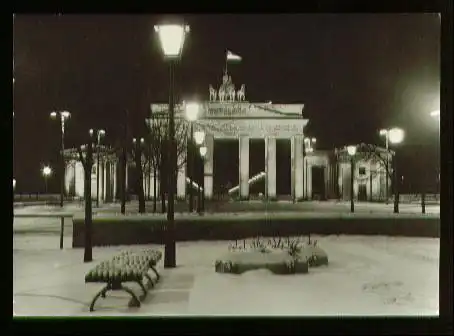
point(87, 163)
point(158, 140)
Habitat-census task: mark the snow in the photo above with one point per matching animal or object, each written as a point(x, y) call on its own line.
point(257, 257)
point(373, 275)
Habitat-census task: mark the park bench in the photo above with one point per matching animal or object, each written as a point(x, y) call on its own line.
point(128, 266)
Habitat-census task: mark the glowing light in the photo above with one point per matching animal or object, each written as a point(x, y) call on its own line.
point(199, 137)
point(47, 171)
point(351, 150)
point(396, 135)
point(203, 151)
point(172, 38)
point(192, 111)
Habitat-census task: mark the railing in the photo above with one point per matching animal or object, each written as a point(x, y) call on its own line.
point(62, 217)
point(416, 198)
point(39, 197)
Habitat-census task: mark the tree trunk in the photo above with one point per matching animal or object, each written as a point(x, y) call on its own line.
point(155, 184)
point(140, 189)
point(123, 181)
point(163, 184)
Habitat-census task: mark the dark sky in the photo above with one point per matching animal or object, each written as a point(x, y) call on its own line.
point(355, 73)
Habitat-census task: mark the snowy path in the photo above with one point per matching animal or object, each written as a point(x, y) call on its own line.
point(366, 276)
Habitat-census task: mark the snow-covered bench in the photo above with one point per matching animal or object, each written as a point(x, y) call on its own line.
point(128, 266)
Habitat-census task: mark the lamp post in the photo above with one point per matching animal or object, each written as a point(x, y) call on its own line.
point(396, 136)
point(385, 133)
point(137, 145)
point(203, 152)
point(47, 172)
point(436, 115)
point(351, 150)
point(63, 116)
point(100, 133)
point(308, 147)
point(192, 112)
point(171, 37)
point(199, 137)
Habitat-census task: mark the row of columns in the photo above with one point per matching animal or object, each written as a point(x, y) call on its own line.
point(297, 169)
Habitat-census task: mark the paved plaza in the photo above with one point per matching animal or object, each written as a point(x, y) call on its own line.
point(366, 276)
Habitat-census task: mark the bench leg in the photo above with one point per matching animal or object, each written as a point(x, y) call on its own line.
point(102, 293)
point(135, 300)
point(150, 280)
point(155, 272)
point(143, 289)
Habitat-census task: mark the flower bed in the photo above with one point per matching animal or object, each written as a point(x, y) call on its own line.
point(278, 255)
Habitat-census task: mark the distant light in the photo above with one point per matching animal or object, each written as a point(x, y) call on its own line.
point(192, 111)
point(53, 114)
point(314, 140)
point(270, 102)
point(351, 150)
point(47, 171)
point(203, 151)
point(383, 132)
point(101, 132)
point(172, 38)
point(14, 183)
point(91, 131)
point(396, 135)
point(142, 140)
point(199, 137)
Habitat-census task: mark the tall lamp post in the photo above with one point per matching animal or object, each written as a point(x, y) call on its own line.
point(203, 152)
point(351, 150)
point(308, 147)
point(385, 133)
point(100, 133)
point(436, 115)
point(171, 37)
point(199, 138)
point(138, 147)
point(62, 116)
point(396, 136)
point(192, 112)
point(47, 172)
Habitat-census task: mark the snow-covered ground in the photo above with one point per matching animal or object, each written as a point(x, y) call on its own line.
point(366, 276)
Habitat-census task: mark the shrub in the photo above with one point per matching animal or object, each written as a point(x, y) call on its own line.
point(258, 244)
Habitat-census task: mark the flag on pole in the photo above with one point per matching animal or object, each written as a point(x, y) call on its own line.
point(233, 57)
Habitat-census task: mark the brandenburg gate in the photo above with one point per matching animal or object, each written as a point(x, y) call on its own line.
point(228, 115)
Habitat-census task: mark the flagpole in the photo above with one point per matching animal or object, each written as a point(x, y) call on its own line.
point(226, 60)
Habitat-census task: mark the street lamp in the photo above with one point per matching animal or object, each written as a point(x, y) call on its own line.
point(62, 116)
point(436, 115)
point(308, 147)
point(396, 136)
point(192, 112)
point(199, 138)
point(100, 133)
point(14, 183)
point(203, 152)
point(351, 150)
point(171, 37)
point(385, 133)
point(47, 172)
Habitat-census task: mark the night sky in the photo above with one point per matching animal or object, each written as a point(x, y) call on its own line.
point(355, 73)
